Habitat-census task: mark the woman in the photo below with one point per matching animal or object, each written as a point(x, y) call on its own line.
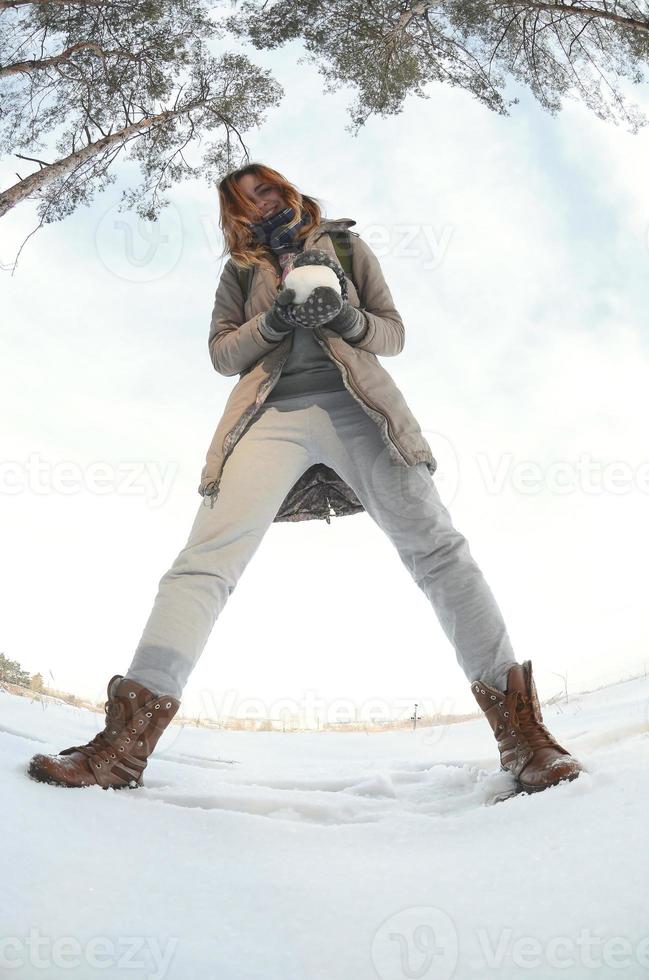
point(314, 424)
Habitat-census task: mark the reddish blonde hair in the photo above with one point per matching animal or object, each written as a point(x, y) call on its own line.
point(235, 218)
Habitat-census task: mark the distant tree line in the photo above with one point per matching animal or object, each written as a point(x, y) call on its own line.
point(11, 672)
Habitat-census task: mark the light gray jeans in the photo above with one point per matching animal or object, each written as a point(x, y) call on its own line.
point(283, 440)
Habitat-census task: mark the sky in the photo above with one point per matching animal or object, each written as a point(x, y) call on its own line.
point(517, 252)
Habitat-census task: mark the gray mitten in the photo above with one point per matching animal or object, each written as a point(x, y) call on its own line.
point(274, 325)
point(326, 306)
point(349, 323)
point(324, 302)
point(321, 306)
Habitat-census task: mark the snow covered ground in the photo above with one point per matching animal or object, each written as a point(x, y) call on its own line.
point(329, 856)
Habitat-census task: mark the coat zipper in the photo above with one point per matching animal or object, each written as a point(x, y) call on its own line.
point(362, 397)
point(226, 438)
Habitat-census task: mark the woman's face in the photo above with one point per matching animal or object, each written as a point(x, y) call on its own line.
point(265, 199)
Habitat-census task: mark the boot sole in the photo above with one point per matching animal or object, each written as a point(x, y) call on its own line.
point(39, 777)
point(522, 788)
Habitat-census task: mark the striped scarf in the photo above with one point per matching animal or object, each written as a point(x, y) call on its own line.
point(273, 231)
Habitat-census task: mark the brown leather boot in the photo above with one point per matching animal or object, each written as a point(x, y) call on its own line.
point(527, 749)
point(116, 757)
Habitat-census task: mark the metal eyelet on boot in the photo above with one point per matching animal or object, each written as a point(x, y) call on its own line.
point(98, 766)
point(149, 714)
point(132, 731)
point(140, 722)
point(168, 705)
point(482, 692)
point(128, 740)
point(506, 714)
point(121, 748)
point(114, 731)
point(131, 694)
point(112, 755)
point(157, 706)
point(493, 697)
point(140, 743)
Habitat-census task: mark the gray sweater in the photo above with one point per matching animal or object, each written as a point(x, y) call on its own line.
point(307, 368)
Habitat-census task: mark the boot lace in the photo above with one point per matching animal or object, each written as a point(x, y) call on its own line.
point(100, 746)
point(534, 732)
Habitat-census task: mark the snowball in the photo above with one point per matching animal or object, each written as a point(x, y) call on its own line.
point(306, 278)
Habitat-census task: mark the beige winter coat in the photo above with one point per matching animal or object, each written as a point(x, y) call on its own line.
point(237, 347)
